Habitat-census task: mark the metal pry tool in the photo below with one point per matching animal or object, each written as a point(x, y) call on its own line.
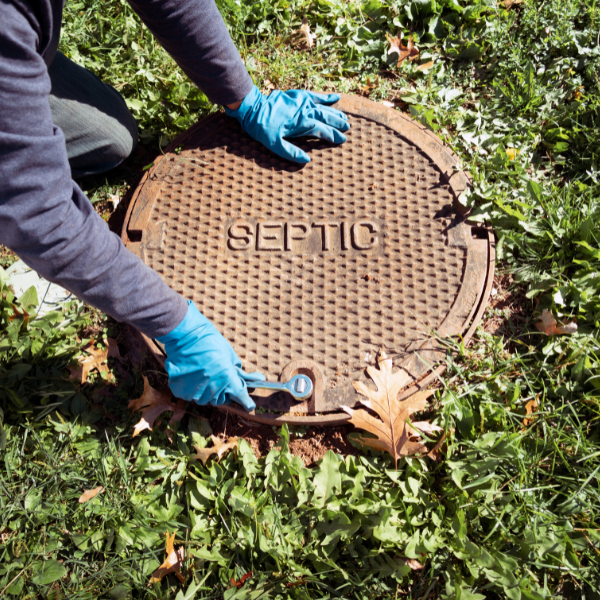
point(299, 386)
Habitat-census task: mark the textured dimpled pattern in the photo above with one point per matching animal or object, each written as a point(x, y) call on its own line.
point(333, 306)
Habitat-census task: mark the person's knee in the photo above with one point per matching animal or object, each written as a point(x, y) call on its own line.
point(100, 131)
point(124, 139)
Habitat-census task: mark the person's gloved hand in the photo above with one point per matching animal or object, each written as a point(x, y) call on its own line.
point(202, 366)
point(270, 119)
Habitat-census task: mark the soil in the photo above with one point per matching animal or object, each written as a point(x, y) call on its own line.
point(309, 444)
point(511, 308)
point(7, 257)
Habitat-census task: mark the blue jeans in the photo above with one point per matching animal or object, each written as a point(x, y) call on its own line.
point(99, 130)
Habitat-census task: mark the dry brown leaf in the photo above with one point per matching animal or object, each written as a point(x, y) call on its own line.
point(114, 199)
point(268, 85)
point(425, 427)
point(16, 314)
point(404, 52)
point(173, 563)
point(219, 448)
point(510, 3)
point(90, 494)
point(153, 403)
point(370, 85)
point(242, 580)
point(96, 359)
point(425, 66)
point(391, 430)
point(5, 535)
point(548, 325)
point(435, 453)
point(304, 38)
point(414, 564)
point(113, 349)
point(530, 408)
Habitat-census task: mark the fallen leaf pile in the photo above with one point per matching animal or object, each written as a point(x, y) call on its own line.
point(172, 564)
point(219, 448)
point(404, 52)
point(548, 325)
point(393, 430)
point(95, 359)
point(152, 403)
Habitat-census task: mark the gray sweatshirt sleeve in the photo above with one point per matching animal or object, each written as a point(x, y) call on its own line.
point(194, 34)
point(44, 216)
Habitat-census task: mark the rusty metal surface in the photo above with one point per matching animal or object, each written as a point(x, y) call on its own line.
point(317, 265)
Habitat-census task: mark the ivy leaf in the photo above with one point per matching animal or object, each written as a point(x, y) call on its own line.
point(48, 572)
point(392, 430)
point(153, 403)
point(328, 479)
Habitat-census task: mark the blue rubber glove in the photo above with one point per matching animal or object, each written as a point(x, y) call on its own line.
point(202, 365)
point(270, 119)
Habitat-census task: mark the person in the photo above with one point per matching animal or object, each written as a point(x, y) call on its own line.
point(58, 122)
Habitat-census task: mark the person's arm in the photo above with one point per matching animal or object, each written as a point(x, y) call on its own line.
point(45, 218)
point(194, 34)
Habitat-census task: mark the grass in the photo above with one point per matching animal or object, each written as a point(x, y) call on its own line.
point(513, 510)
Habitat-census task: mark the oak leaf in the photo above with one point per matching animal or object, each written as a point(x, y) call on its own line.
point(89, 494)
point(16, 314)
point(96, 359)
point(153, 403)
point(548, 325)
point(219, 448)
point(392, 430)
point(172, 564)
point(370, 85)
point(404, 52)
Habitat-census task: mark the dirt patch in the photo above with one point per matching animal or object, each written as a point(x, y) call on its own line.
point(508, 310)
point(310, 444)
point(7, 257)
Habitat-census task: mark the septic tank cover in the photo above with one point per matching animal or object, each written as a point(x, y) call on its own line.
point(314, 268)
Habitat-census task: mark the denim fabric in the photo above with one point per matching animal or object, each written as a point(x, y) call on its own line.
point(100, 132)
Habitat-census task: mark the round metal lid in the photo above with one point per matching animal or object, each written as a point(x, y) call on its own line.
point(312, 269)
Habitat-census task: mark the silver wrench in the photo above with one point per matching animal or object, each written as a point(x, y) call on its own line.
point(299, 386)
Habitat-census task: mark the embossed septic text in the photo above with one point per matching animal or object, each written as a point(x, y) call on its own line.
point(303, 237)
